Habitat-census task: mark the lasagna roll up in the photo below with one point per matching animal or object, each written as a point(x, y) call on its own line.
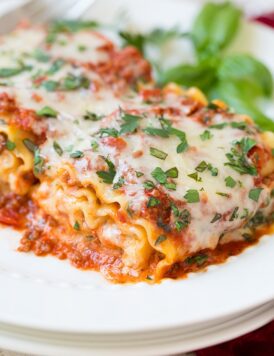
point(154, 185)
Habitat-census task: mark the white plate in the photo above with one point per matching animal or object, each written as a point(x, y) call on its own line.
point(48, 294)
point(35, 342)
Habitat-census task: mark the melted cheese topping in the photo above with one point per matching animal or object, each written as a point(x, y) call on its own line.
point(106, 153)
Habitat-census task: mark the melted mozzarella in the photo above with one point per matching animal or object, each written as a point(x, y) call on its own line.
point(202, 233)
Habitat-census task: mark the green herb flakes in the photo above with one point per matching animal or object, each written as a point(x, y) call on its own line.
point(234, 214)
point(148, 185)
point(77, 154)
point(131, 123)
point(158, 153)
point(195, 176)
point(206, 135)
point(107, 176)
point(58, 149)
point(152, 202)
point(160, 239)
point(192, 196)
point(76, 226)
point(10, 145)
point(255, 193)
point(119, 184)
point(216, 217)
point(230, 182)
point(47, 111)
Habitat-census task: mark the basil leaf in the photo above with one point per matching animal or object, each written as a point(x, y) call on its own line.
point(215, 27)
point(201, 75)
point(246, 67)
point(131, 39)
point(241, 95)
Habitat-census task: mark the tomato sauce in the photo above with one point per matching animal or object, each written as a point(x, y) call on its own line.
point(88, 253)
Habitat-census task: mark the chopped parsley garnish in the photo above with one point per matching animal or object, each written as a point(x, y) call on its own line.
point(94, 146)
point(56, 66)
point(170, 186)
point(107, 176)
point(76, 226)
point(131, 123)
point(202, 166)
point(162, 177)
point(216, 217)
point(238, 157)
point(230, 182)
point(82, 48)
point(192, 196)
point(219, 126)
point(199, 259)
point(172, 172)
point(38, 162)
point(58, 149)
point(223, 194)
point(183, 218)
point(50, 85)
point(152, 201)
point(92, 116)
point(119, 184)
point(31, 146)
point(68, 26)
point(254, 194)
point(213, 170)
point(157, 153)
point(239, 125)
point(245, 214)
point(159, 175)
point(234, 214)
point(195, 176)
point(40, 55)
point(148, 185)
point(73, 82)
point(154, 131)
point(10, 72)
point(139, 174)
point(166, 131)
point(70, 82)
point(160, 239)
point(77, 154)
point(106, 132)
point(206, 135)
point(47, 111)
point(10, 145)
